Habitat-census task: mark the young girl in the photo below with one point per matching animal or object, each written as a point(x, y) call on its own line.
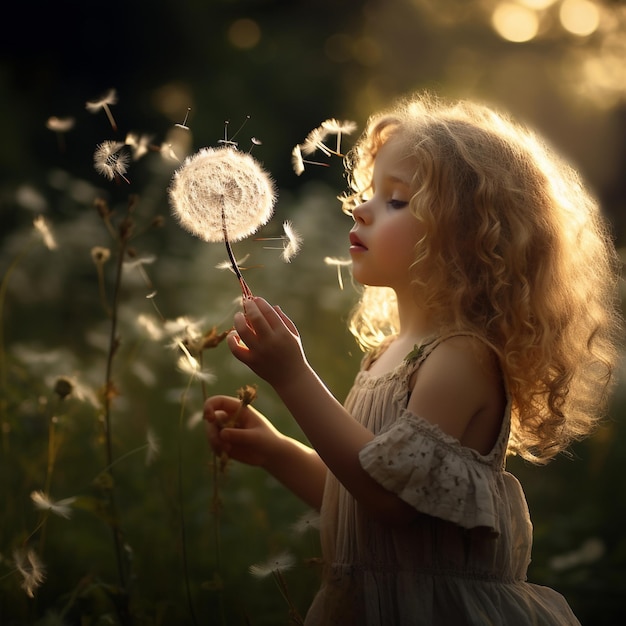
point(490, 323)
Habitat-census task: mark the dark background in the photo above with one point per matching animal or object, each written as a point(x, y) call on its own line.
point(288, 65)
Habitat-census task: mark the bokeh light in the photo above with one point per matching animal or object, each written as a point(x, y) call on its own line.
point(244, 34)
point(515, 22)
point(579, 17)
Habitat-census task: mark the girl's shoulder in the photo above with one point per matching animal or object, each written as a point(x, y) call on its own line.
point(459, 386)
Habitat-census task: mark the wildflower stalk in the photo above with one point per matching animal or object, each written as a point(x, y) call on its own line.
point(3, 366)
point(123, 238)
point(294, 615)
point(183, 531)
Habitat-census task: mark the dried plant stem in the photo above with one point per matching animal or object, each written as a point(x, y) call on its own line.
point(107, 398)
point(3, 366)
point(181, 508)
point(216, 505)
point(123, 238)
point(294, 615)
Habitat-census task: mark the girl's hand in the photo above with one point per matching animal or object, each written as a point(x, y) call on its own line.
point(251, 439)
point(268, 342)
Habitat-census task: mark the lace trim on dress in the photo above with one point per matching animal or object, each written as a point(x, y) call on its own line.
point(436, 476)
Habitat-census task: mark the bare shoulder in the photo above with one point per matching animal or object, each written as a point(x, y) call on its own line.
point(459, 388)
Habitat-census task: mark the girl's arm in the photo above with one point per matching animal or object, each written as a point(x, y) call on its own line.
point(268, 342)
point(255, 441)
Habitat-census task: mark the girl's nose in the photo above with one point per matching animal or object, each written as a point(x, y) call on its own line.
point(362, 213)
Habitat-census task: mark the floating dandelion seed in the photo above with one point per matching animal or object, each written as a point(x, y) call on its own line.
point(291, 239)
point(43, 229)
point(227, 265)
point(338, 263)
point(109, 98)
point(297, 161)
point(168, 153)
point(188, 364)
point(280, 563)
point(184, 126)
point(111, 160)
point(153, 446)
point(151, 326)
point(139, 262)
point(60, 507)
point(60, 125)
point(315, 141)
point(338, 128)
point(222, 194)
point(310, 520)
point(30, 567)
point(139, 144)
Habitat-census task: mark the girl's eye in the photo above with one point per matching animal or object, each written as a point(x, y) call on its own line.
point(397, 204)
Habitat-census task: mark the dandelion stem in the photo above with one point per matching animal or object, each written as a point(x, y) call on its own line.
point(244, 287)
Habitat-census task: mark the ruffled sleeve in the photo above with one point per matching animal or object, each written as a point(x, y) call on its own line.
point(433, 473)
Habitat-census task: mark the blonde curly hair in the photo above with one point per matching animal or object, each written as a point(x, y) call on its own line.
point(516, 251)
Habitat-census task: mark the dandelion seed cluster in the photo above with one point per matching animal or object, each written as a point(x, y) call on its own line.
point(216, 179)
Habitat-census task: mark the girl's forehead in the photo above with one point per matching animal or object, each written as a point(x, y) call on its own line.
point(393, 157)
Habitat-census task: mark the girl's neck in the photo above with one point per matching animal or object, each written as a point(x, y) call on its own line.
point(416, 324)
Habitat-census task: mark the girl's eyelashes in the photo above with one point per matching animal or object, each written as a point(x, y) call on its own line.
point(397, 204)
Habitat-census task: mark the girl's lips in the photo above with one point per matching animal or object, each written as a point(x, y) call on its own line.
point(355, 243)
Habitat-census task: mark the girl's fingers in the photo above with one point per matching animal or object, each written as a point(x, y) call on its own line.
point(218, 408)
point(288, 323)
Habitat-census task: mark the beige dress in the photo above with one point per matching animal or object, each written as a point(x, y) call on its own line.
point(464, 559)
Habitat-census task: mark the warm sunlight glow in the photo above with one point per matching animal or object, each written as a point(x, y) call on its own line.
point(538, 5)
point(514, 22)
point(579, 17)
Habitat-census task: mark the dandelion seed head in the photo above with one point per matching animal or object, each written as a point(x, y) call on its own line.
point(100, 255)
point(222, 178)
point(30, 567)
point(63, 387)
point(110, 159)
point(293, 242)
point(281, 562)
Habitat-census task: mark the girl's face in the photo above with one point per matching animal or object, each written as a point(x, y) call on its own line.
point(385, 232)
